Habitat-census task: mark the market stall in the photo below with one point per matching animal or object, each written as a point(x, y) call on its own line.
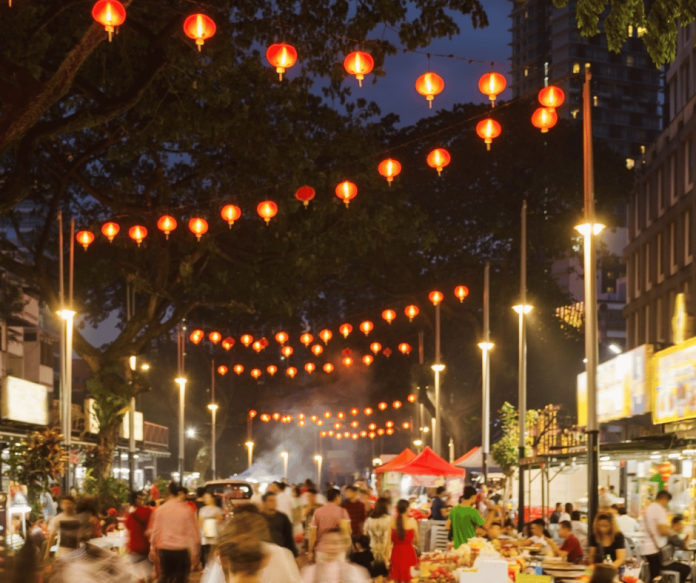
point(387, 477)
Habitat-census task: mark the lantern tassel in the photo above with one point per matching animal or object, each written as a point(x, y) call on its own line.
point(430, 103)
point(488, 147)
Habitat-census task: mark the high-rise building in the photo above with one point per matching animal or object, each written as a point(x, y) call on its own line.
point(548, 49)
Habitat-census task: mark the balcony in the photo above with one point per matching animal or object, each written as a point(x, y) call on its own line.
point(155, 436)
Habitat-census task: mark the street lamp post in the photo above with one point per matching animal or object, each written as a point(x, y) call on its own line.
point(213, 412)
point(250, 447)
point(436, 297)
point(485, 347)
point(182, 402)
point(318, 459)
point(284, 455)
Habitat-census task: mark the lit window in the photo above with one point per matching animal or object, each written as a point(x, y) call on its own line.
point(630, 30)
point(630, 162)
point(642, 149)
point(595, 100)
point(640, 31)
point(526, 72)
point(575, 113)
point(576, 68)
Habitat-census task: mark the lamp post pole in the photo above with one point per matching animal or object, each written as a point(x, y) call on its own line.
point(522, 357)
point(284, 455)
point(485, 347)
point(437, 432)
point(213, 410)
point(182, 402)
point(250, 453)
point(319, 460)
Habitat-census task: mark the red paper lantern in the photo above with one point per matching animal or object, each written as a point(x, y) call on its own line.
point(376, 347)
point(368, 411)
point(230, 213)
point(110, 230)
point(309, 367)
point(492, 84)
point(346, 191)
point(198, 227)
point(110, 14)
point(405, 348)
point(166, 224)
point(396, 404)
point(325, 335)
point(281, 337)
point(544, 118)
point(272, 369)
point(252, 413)
point(345, 329)
point(461, 291)
point(389, 168)
point(435, 297)
point(430, 85)
point(306, 338)
point(247, 339)
point(304, 194)
point(354, 412)
point(328, 367)
point(368, 359)
point(371, 435)
point(411, 312)
point(347, 361)
point(256, 373)
point(389, 424)
point(257, 346)
point(390, 431)
point(196, 336)
point(488, 129)
point(438, 159)
point(382, 406)
point(222, 370)
point(200, 28)
point(137, 233)
point(85, 238)
point(267, 210)
point(215, 337)
point(551, 96)
point(239, 369)
point(282, 56)
point(291, 372)
point(317, 349)
point(387, 352)
point(389, 315)
point(366, 327)
point(359, 63)
point(228, 343)
point(287, 351)
point(412, 398)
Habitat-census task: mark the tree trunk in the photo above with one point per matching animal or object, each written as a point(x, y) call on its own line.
point(106, 440)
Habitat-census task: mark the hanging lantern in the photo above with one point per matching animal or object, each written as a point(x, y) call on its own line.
point(306, 338)
point(354, 436)
point(276, 416)
point(215, 337)
point(665, 469)
point(247, 339)
point(317, 349)
point(287, 351)
point(405, 348)
point(291, 372)
point(339, 436)
point(281, 338)
point(492, 84)
point(390, 431)
point(256, 373)
point(387, 352)
point(222, 370)
point(200, 28)
point(196, 336)
point(230, 213)
point(347, 361)
point(389, 168)
point(271, 369)
point(341, 415)
point(346, 191)
point(366, 327)
point(85, 238)
point(328, 367)
point(354, 412)
point(389, 315)
point(137, 233)
point(368, 411)
point(488, 129)
point(368, 359)
point(264, 343)
point(301, 423)
point(411, 312)
point(228, 343)
point(412, 398)
point(438, 159)
point(372, 426)
point(238, 368)
point(304, 194)
point(310, 367)
point(325, 335)
point(359, 64)
point(282, 56)
point(110, 14)
point(435, 297)
point(544, 118)
point(166, 224)
point(363, 433)
point(380, 431)
point(110, 230)
point(376, 347)
point(551, 96)
point(199, 227)
point(389, 424)
point(396, 404)
point(345, 329)
point(323, 434)
point(327, 415)
point(430, 85)
point(257, 346)
point(346, 434)
point(461, 291)
point(382, 406)
point(252, 413)
point(265, 418)
point(371, 435)
point(320, 422)
point(267, 210)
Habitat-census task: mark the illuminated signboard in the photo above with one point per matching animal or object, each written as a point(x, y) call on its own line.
point(24, 401)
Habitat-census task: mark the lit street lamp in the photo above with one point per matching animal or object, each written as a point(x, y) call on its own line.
point(182, 403)
point(486, 346)
point(213, 411)
point(250, 447)
point(284, 455)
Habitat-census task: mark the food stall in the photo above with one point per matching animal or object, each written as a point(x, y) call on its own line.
point(388, 478)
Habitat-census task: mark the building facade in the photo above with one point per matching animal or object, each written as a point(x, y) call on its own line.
point(661, 212)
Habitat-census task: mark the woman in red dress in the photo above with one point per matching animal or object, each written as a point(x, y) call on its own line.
point(404, 536)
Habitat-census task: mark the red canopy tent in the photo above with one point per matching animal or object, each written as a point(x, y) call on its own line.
point(403, 458)
point(428, 463)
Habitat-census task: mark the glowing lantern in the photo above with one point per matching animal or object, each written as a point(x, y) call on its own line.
point(264, 343)
point(390, 431)
point(84, 238)
point(382, 406)
point(282, 56)
point(301, 416)
point(488, 129)
point(544, 118)
point(320, 422)
point(230, 213)
point(301, 423)
point(406, 425)
point(354, 412)
point(492, 84)
point(137, 233)
point(327, 415)
point(345, 329)
point(412, 398)
point(354, 436)
point(354, 424)
point(276, 416)
point(309, 367)
point(323, 434)
point(228, 343)
point(339, 436)
point(196, 336)
point(198, 227)
point(328, 367)
point(346, 191)
point(405, 348)
point(551, 96)
point(267, 210)
point(257, 346)
point(665, 469)
point(376, 347)
point(359, 64)
point(304, 194)
point(291, 372)
point(265, 418)
point(438, 159)
point(387, 352)
point(281, 337)
point(347, 361)
point(366, 327)
point(306, 338)
point(166, 224)
point(368, 411)
point(389, 424)
point(346, 434)
point(271, 369)
point(371, 435)
point(372, 426)
point(380, 431)
point(325, 335)
point(389, 168)
point(200, 28)
point(389, 315)
point(222, 369)
point(430, 85)
point(330, 433)
point(110, 230)
point(341, 415)
point(247, 339)
point(256, 373)
point(411, 312)
point(238, 368)
point(435, 297)
point(396, 404)
point(461, 291)
point(317, 349)
point(363, 433)
point(215, 337)
point(252, 413)
point(337, 426)
point(110, 14)
point(368, 359)
point(287, 351)
point(313, 418)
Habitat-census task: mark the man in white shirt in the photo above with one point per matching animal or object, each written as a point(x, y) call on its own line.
point(656, 530)
point(284, 500)
point(627, 524)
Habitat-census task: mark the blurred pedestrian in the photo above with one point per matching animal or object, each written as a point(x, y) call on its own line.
point(329, 517)
point(404, 537)
point(332, 568)
point(278, 523)
point(67, 513)
point(136, 523)
point(210, 518)
point(356, 511)
point(378, 527)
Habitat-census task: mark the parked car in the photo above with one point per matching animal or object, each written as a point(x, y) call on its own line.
point(230, 493)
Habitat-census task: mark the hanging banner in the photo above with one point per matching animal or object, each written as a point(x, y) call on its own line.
point(674, 394)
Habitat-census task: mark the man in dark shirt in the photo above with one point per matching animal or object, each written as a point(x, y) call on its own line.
point(556, 514)
point(571, 549)
point(279, 525)
point(437, 504)
point(356, 511)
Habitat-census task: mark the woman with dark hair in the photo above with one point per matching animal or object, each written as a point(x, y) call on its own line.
point(607, 540)
point(404, 536)
point(378, 527)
